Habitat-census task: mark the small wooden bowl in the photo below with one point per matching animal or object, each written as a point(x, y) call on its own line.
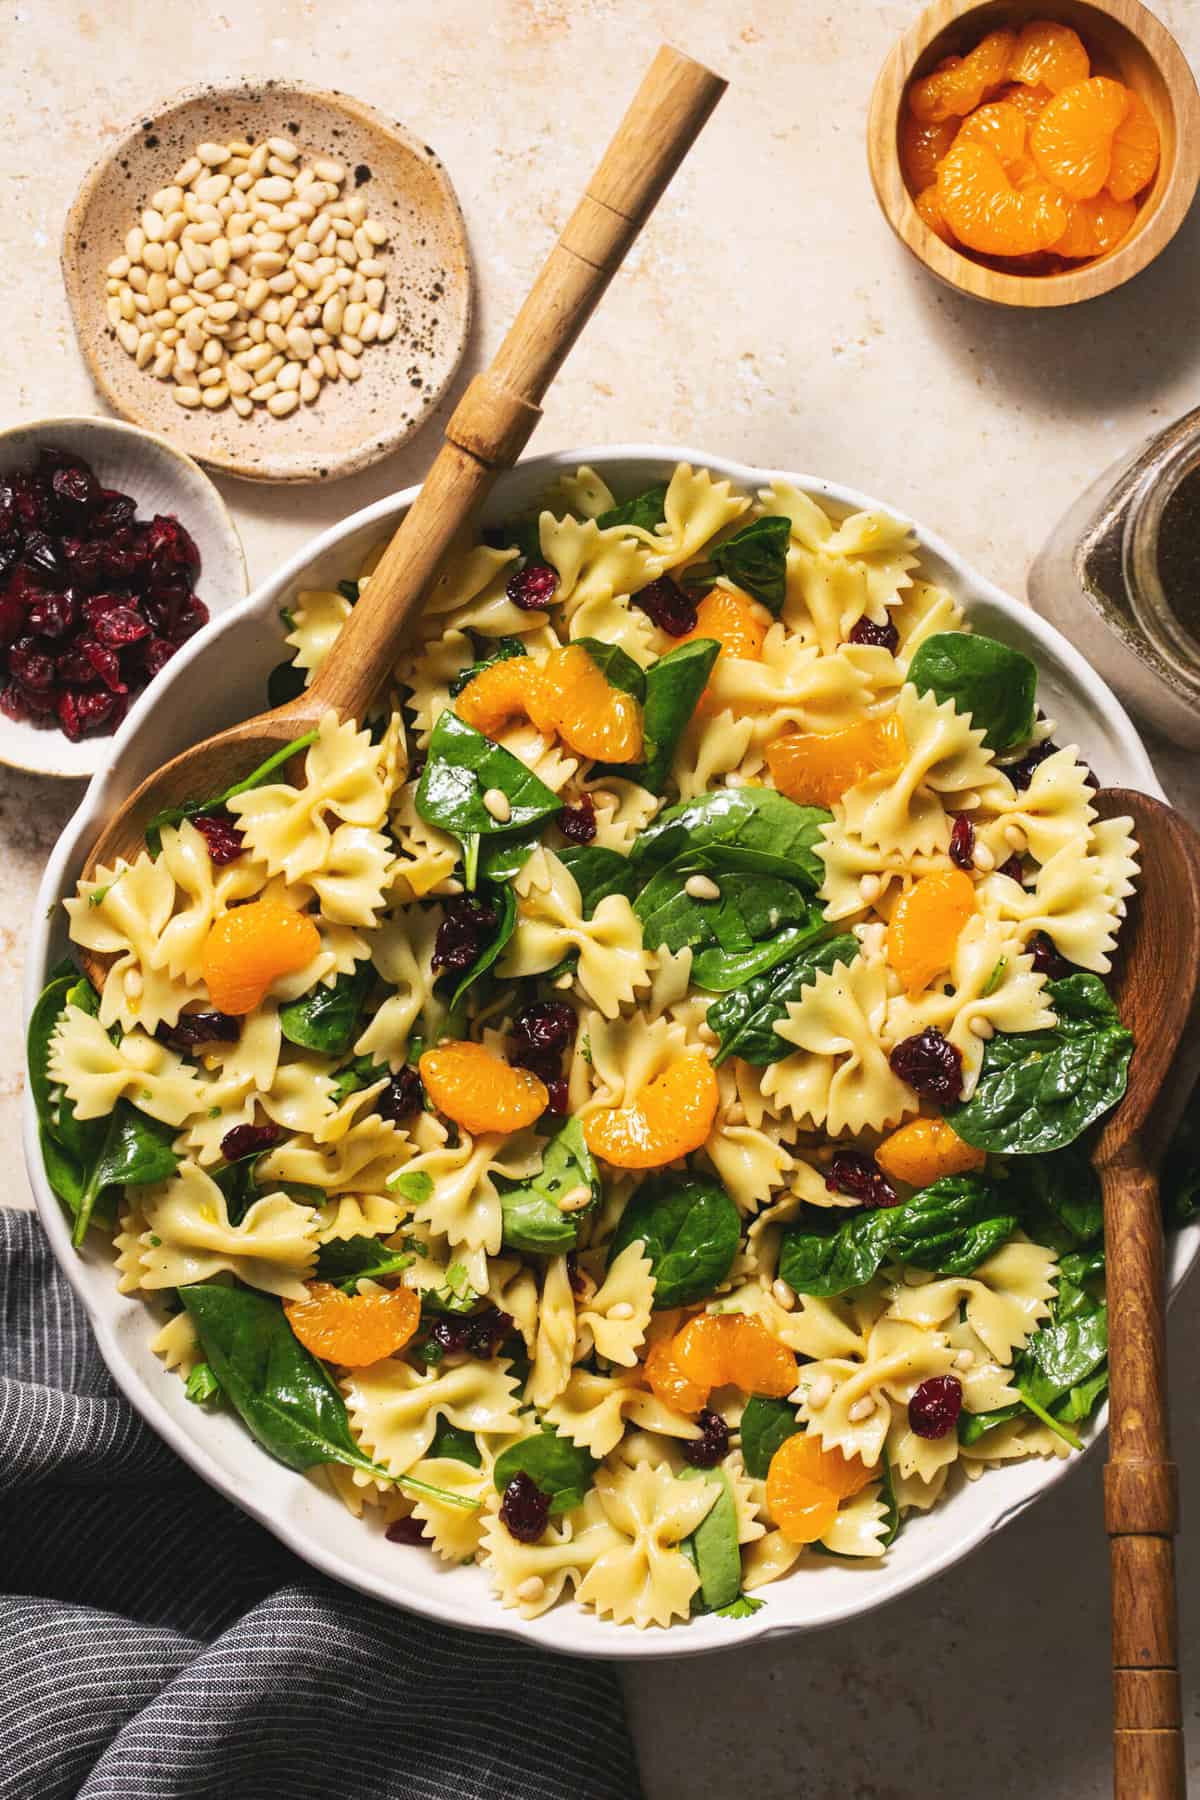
point(350, 425)
point(1127, 42)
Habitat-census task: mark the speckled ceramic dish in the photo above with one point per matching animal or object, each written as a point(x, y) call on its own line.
point(219, 677)
point(351, 424)
point(161, 480)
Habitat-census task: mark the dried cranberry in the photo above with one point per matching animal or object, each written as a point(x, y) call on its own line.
point(106, 663)
point(169, 546)
point(96, 605)
point(473, 1334)
point(10, 550)
point(80, 711)
point(75, 670)
point(115, 512)
point(524, 1509)
point(1046, 959)
point(402, 1097)
point(930, 1064)
point(193, 616)
point(711, 1447)
point(200, 1028)
point(125, 559)
point(962, 843)
point(545, 1025)
point(76, 492)
point(84, 559)
point(665, 602)
point(53, 615)
point(934, 1408)
point(14, 703)
point(248, 1140)
point(12, 619)
point(120, 625)
point(465, 928)
point(866, 631)
point(853, 1172)
point(1013, 868)
point(1021, 773)
point(223, 837)
point(556, 1094)
point(578, 823)
point(30, 665)
point(25, 589)
point(28, 498)
point(405, 1531)
point(167, 603)
point(156, 653)
point(47, 703)
point(41, 555)
point(580, 1286)
point(533, 587)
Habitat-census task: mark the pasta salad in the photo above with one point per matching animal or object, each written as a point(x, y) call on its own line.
point(616, 1116)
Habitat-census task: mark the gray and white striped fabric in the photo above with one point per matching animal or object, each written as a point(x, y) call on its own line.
point(155, 1643)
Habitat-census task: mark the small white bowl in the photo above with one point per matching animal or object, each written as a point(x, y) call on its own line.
point(220, 677)
point(162, 480)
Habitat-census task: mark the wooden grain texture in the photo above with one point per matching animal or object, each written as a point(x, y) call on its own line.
point(487, 432)
point(1126, 41)
point(1155, 979)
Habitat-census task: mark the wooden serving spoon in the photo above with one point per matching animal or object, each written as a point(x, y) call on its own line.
point(486, 433)
point(1157, 970)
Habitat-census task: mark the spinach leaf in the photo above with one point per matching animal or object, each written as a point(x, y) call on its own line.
point(521, 535)
point(745, 1019)
point(203, 1388)
point(721, 971)
point(359, 1073)
point(765, 1425)
point(750, 818)
point(994, 684)
point(753, 559)
point(749, 908)
point(1062, 1373)
point(327, 1019)
point(136, 1148)
point(506, 902)
point(286, 1398)
point(599, 872)
point(462, 766)
point(690, 1229)
point(532, 1218)
point(284, 683)
point(502, 858)
point(674, 684)
point(560, 1468)
point(506, 649)
point(459, 1446)
point(69, 1145)
point(1039, 1090)
point(349, 591)
point(346, 1261)
point(647, 510)
point(1058, 1197)
point(892, 1519)
point(616, 665)
point(1181, 1168)
point(713, 1546)
point(43, 1023)
point(237, 1182)
point(948, 1228)
point(175, 815)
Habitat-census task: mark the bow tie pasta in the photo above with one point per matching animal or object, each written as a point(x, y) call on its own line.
point(614, 1114)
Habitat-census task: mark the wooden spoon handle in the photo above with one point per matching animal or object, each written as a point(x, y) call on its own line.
point(493, 421)
point(1140, 1494)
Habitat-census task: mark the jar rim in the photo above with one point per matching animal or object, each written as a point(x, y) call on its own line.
point(1140, 566)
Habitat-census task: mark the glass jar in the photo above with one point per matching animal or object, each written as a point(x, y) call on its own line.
point(1120, 576)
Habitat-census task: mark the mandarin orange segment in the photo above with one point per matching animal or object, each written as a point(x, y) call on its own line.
point(926, 203)
point(1135, 151)
point(1048, 54)
point(925, 926)
point(923, 143)
point(817, 767)
point(733, 1349)
point(957, 86)
point(500, 695)
point(738, 623)
point(354, 1330)
point(1095, 226)
point(479, 1090)
point(802, 1505)
point(924, 1150)
point(668, 1383)
point(988, 213)
point(700, 1350)
point(998, 125)
point(843, 1475)
point(251, 946)
point(671, 1117)
point(1072, 139)
point(1028, 101)
point(587, 712)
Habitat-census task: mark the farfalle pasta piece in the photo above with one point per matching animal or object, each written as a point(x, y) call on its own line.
point(860, 1526)
point(613, 965)
point(1003, 1302)
point(593, 564)
point(317, 615)
point(468, 594)
point(710, 749)
point(464, 1202)
point(628, 1053)
point(849, 862)
point(95, 1073)
point(838, 571)
point(352, 878)
point(287, 828)
point(554, 1345)
point(646, 1579)
point(452, 1532)
point(696, 509)
point(1054, 810)
point(790, 684)
point(614, 1321)
point(623, 810)
point(357, 1215)
point(592, 1411)
point(610, 618)
point(839, 1075)
point(584, 493)
point(402, 951)
point(178, 1345)
point(898, 1356)
point(428, 675)
point(945, 761)
point(359, 1162)
point(123, 912)
point(189, 1238)
point(531, 1577)
point(394, 1408)
point(426, 856)
point(750, 1161)
point(1070, 901)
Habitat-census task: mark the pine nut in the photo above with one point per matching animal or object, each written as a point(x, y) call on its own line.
point(701, 887)
point(862, 1409)
point(266, 263)
point(208, 377)
point(376, 233)
point(820, 1392)
point(239, 381)
point(348, 366)
point(119, 267)
point(531, 1590)
point(869, 888)
point(329, 361)
point(387, 328)
point(300, 343)
point(622, 1310)
point(242, 406)
point(495, 800)
point(372, 268)
point(310, 387)
point(965, 1359)
point(1015, 838)
point(215, 397)
point(164, 362)
point(212, 154)
point(329, 170)
point(983, 859)
point(351, 345)
point(128, 334)
point(264, 391)
point(187, 172)
point(982, 1028)
point(280, 405)
point(284, 147)
point(784, 1295)
point(288, 377)
point(187, 396)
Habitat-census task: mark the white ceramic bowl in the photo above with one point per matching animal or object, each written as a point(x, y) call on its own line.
point(161, 480)
point(189, 700)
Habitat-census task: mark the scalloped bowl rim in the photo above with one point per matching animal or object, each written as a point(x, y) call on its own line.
point(310, 1521)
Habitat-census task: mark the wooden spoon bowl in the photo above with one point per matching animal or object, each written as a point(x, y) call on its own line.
point(1124, 40)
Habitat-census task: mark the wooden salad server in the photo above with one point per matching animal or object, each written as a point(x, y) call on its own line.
point(1156, 974)
point(487, 432)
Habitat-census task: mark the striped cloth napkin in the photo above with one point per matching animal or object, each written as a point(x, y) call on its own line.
point(159, 1644)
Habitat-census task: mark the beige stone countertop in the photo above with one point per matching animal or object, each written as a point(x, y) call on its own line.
point(769, 314)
